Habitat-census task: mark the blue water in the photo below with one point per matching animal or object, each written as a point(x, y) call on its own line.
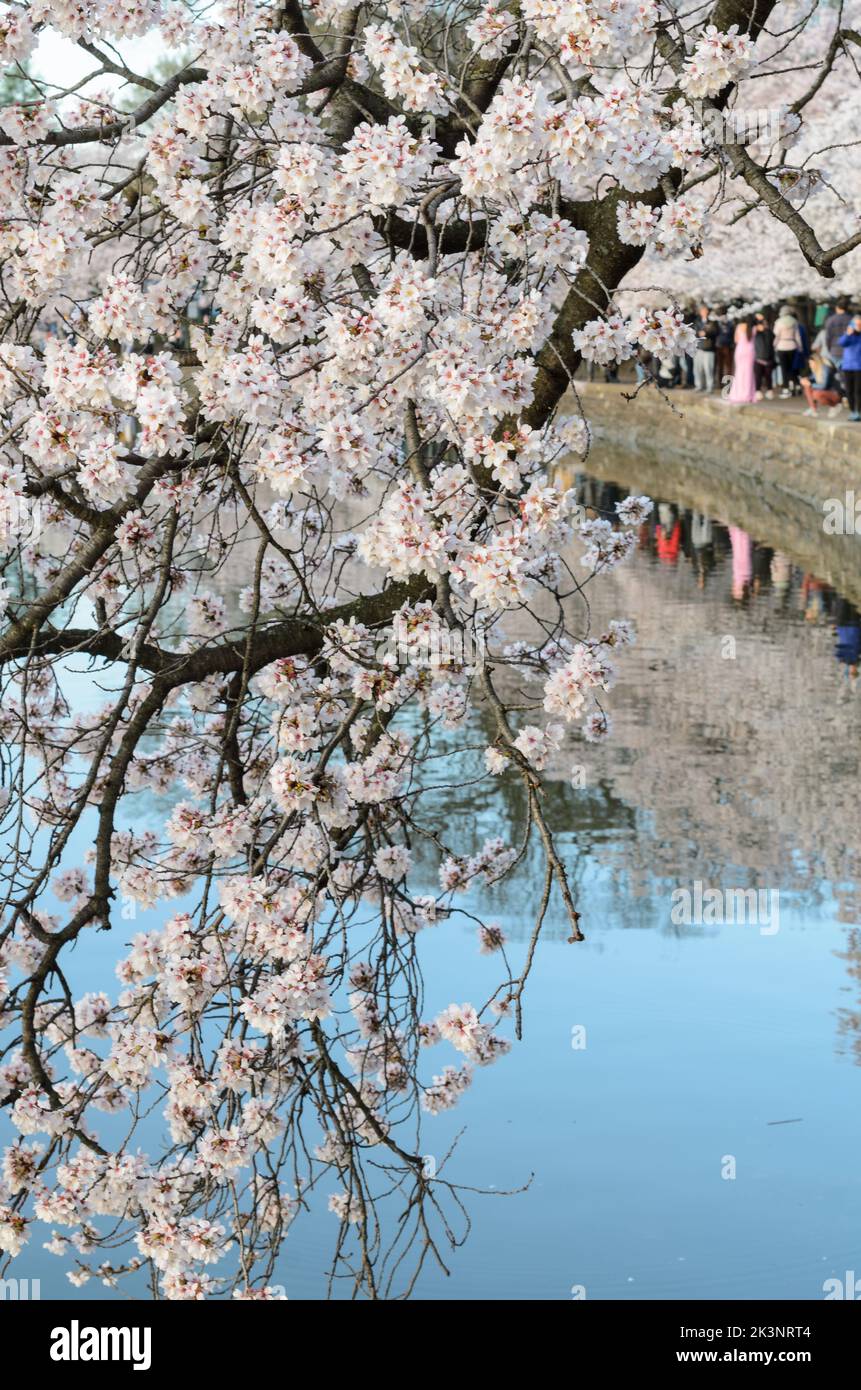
point(692, 1047)
point(707, 1048)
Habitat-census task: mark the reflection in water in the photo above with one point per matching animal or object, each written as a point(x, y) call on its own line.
point(733, 761)
point(736, 729)
point(850, 1018)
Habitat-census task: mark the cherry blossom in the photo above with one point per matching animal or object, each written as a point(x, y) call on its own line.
point(288, 332)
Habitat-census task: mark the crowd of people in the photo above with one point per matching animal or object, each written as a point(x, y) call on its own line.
point(752, 356)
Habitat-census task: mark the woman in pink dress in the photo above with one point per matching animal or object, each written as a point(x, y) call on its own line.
point(743, 389)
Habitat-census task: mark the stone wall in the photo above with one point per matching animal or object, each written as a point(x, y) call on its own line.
point(768, 469)
point(809, 458)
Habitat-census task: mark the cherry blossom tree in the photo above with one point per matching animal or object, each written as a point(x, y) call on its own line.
point(796, 111)
point(284, 353)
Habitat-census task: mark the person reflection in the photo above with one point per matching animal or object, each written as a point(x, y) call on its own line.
point(815, 598)
point(668, 534)
point(847, 632)
point(702, 547)
point(742, 563)
point(781, 577)
point(762, 558)
point(608, 495)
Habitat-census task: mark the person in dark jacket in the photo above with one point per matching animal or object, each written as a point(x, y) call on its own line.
point(835, 326)
point(850, 365)
point(802, 354)
point(724, 344)
point(705, 330)
point(763, 361)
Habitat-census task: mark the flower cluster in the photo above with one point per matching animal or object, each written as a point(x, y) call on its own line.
point(403, 77)
point(717, 59)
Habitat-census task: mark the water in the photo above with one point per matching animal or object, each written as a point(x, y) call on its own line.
point(708, 1048)
point(733, 763)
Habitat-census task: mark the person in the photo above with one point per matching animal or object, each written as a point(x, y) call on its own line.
point(787, 342)
point(665, 372)
point(611, 373)
point(686, 359)
point(705, 330)
point(835, 326)
point(724, 344)
point(799, 362)
point(743, 388)
point(644, 368)
point(763, 362)
point(817, 392)
point(850, 366)
point(833, 380)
